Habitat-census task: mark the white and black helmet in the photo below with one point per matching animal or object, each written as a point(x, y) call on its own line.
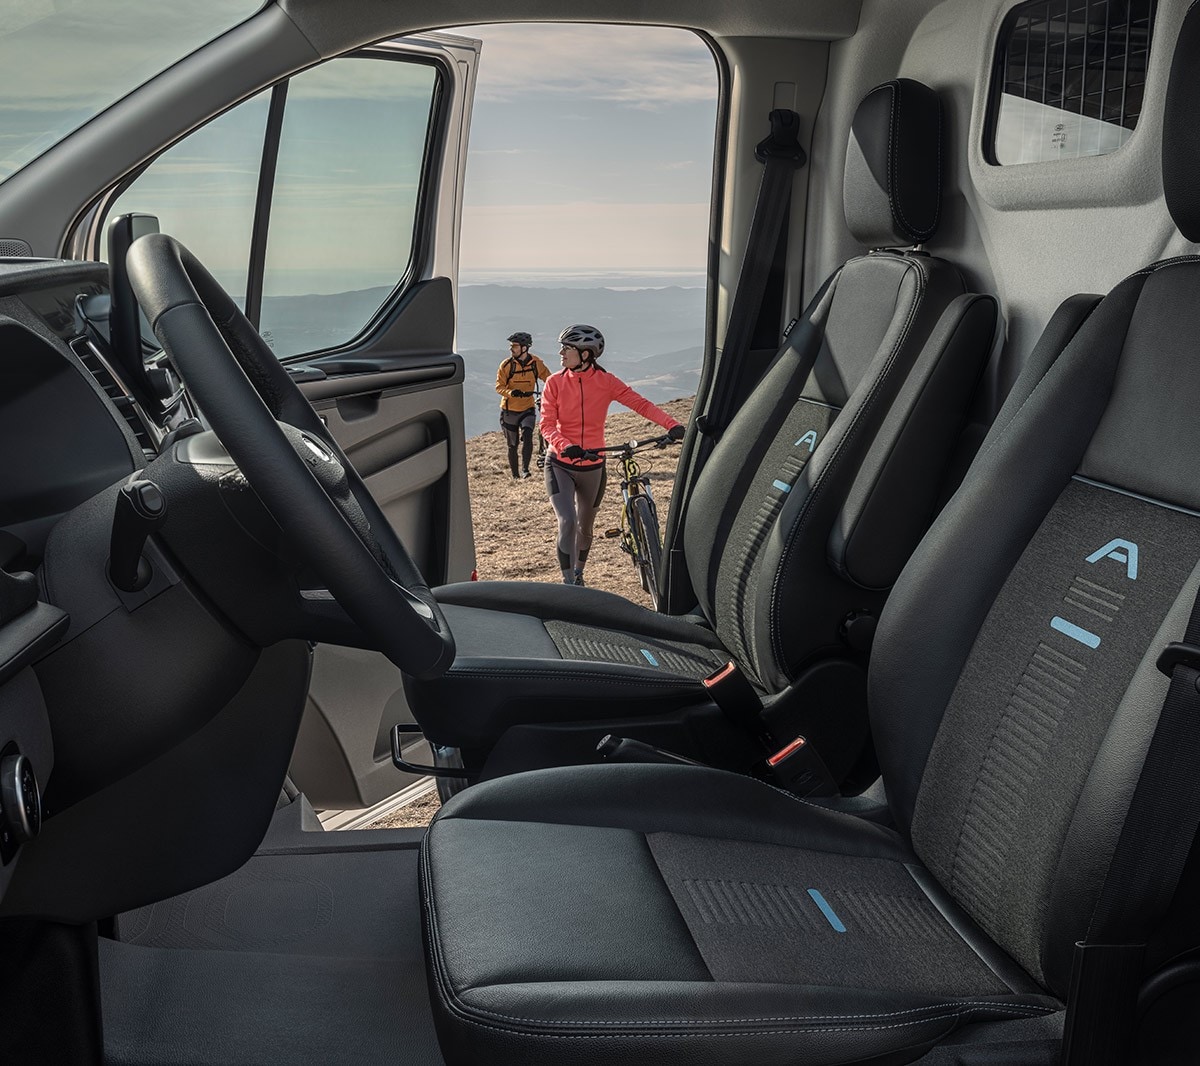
point(585, 338)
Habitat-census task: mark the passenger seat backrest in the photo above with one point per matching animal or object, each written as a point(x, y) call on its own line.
point(1013, 686)
point(894, 345)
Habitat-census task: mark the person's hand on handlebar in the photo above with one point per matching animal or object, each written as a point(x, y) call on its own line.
point(574, 451)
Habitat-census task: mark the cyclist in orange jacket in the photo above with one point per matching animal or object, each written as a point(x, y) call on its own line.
point(574, 407)
point(517, 381)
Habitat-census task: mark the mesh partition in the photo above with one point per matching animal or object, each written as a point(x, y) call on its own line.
point(1071, 78)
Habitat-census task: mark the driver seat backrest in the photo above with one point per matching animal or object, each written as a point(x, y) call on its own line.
point(832, 469)
point(1013, 686)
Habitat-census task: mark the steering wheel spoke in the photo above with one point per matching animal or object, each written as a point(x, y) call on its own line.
point(288, 458)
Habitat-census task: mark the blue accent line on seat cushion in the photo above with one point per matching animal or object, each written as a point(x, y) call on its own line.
point(1075, 632)
point(782, 486)
point(649, 658)
point(827, 910)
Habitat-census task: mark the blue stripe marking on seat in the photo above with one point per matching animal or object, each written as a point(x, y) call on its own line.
point(830, 914)
point(1075, 632)
point(782, 486)
point(649, 658)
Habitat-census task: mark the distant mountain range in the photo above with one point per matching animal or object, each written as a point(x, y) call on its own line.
point(654, 336)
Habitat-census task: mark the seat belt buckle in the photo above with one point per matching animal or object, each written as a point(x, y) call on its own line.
point(731, 690)
point(1178, 654)
point(798, 768)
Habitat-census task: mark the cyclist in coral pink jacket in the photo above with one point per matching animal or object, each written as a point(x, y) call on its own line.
point(574, 407)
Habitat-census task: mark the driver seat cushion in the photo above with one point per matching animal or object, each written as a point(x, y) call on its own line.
point(528, 651)
point(669, 911)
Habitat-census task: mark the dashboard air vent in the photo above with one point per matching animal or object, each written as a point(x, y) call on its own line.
point(116, 393)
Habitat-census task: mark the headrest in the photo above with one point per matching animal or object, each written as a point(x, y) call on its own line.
point(1181, 133)
point(893, 187)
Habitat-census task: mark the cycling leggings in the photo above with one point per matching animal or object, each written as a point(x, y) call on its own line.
point(518, 426)
point(575, 495)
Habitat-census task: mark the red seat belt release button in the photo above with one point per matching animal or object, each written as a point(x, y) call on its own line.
point(798, 768)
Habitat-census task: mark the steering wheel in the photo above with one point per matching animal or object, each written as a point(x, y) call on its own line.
point(288, 457)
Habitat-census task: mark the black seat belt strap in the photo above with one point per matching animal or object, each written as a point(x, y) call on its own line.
point(1147, 864)
point(781, 155)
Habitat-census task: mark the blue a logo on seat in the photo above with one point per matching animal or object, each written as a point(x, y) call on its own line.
point(1123, 551)
point(809, 438)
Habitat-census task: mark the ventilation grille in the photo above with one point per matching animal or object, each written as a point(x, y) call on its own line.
point(1071, 78)
point(116, 393)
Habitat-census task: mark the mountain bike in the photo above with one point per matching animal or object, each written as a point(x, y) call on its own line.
point(639, 532)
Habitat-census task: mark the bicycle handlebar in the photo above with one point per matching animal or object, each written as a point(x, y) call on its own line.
point(633, 446)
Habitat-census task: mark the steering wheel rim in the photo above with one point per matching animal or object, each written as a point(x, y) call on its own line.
point(248, 399)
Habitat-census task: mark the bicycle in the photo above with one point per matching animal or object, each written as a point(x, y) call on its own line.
point(639, 530)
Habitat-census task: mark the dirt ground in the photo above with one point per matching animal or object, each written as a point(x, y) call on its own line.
point(515, 530)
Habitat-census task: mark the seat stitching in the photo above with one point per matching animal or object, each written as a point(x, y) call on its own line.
point(616, 679)
point(931, 1009)
point(826, 473)
point(946, 1016)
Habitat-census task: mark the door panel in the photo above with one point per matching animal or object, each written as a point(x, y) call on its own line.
point(393, 402)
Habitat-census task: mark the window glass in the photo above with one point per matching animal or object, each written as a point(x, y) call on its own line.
point(203, 191)
point(344, 204)
point(1073, 73)
point(101, 49)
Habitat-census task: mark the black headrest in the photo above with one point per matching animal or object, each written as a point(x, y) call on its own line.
point(1181, 130)
point(893, 186)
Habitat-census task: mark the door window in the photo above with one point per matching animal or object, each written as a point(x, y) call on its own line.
point(312, 227)
point(344, 205)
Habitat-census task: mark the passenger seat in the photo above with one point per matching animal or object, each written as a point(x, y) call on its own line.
point(802, 518)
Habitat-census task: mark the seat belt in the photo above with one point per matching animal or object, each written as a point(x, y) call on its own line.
point(1151, 853)
point(781, 155)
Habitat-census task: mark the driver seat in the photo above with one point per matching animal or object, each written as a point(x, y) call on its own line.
point(680, 914)
point(803, 515)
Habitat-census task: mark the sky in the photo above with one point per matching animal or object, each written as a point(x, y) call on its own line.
point(590, 150)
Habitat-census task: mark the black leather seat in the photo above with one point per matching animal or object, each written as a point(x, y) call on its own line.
point(807, 508)
point(671, 914)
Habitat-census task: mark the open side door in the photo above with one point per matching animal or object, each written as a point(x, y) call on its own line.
point(330, 205)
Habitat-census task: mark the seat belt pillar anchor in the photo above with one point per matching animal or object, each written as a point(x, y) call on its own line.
point(1179, 654)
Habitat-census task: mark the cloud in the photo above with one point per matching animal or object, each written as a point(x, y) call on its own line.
point(585, 236)
point(648, 68)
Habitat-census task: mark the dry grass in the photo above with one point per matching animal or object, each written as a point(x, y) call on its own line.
point(515, 531)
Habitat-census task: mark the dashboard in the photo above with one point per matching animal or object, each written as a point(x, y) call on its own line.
point(70, 427)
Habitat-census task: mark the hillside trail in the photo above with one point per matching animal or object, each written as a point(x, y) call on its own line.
point(515, 530)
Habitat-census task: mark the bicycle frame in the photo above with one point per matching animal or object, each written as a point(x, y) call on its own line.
point(639, 529)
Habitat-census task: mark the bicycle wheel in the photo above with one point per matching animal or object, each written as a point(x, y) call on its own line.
point(643, 523)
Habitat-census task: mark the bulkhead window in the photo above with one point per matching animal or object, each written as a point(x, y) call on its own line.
point(1069, 81)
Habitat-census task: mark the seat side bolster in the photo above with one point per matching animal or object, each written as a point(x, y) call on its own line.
point(895, 495)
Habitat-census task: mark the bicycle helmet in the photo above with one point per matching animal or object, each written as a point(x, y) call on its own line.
point(585, 338)
point(525, 340)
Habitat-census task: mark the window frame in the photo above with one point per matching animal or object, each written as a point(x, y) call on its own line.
point(91, 225)
point(991, 114)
